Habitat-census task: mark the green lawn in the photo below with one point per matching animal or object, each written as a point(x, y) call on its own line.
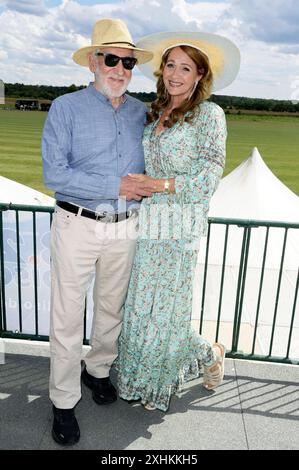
point(277, 139)
point(20, 155)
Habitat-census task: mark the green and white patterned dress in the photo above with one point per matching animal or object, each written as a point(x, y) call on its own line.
point(158, 350)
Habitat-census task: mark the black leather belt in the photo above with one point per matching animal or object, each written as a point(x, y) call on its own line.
point(110, 218)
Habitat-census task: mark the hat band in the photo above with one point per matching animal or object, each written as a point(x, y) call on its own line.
point(118, 42)
point(185, 44)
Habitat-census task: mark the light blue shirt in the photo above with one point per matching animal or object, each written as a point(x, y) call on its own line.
point(88, 145)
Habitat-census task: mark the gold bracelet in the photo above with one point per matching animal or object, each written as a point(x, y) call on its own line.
point(166, 186)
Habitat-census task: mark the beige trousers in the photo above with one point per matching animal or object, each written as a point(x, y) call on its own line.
point(80, 249)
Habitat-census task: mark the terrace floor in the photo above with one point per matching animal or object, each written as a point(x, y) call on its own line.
point(256, 407)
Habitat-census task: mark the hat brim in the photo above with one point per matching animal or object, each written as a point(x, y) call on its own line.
point(81, 55)
point(224, 56)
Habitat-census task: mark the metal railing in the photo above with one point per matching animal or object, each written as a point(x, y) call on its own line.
point(14, 248)
point(247, 226)
point(19, 236)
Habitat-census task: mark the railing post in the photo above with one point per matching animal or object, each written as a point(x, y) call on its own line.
point(293, 316)
point(222, 282)
point(35, 272)
point(260, 291)
point(2, 278)
point(19, 272)
point(240, 288)
point(205, 279)
point(278, 290)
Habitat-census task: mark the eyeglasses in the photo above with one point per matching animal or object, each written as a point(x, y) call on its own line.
point(112, 60)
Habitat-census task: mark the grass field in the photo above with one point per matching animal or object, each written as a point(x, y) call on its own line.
point(276, 137)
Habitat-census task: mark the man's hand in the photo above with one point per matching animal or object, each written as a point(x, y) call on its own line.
point(136, 186)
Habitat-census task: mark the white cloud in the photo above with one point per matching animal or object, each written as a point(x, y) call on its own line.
point(3, 55)
point(264, 73)
point(141, 83)
point(31, 7)
point(264, 32)
point(271, 21)
point(52, 39)
point(36, 43)
point(207, 14)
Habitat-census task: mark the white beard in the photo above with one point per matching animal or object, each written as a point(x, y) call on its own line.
point(105, 88)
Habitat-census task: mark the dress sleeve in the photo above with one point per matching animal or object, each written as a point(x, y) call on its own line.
point(207, 169)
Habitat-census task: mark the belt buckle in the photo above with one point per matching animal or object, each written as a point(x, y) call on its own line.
point(99, 216)
point(106, 218)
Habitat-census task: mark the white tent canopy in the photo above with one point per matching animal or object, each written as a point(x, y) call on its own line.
point(253, 192)
point(16, 193)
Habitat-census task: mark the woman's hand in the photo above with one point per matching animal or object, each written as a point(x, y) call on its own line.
point(153, 185)
point(149, 183)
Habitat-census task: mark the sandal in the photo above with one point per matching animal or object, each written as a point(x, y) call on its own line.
point(149, 407)
point(213, 375)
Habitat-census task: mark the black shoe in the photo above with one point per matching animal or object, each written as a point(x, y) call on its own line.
point(103, 392)
point(65, 430)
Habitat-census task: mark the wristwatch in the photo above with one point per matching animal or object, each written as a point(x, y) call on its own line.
point(166, 186)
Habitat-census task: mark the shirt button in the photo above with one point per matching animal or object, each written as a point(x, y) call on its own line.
point(119, 155)
point(118, 132)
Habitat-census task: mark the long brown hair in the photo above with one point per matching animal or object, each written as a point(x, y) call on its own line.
point(201, 92)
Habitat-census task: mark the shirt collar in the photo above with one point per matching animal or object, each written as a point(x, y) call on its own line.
point(91, 89)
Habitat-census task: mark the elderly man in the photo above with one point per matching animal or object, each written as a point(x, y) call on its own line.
point(91, 141)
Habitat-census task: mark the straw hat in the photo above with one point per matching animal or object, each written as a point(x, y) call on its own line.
point(224, 56)
point(110, 33)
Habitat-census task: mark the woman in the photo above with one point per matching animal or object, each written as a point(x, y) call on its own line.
point(184, 145)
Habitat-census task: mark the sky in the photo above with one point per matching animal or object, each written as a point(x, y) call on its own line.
point(38, 37)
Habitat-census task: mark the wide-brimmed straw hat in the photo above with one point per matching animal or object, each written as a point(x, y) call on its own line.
point(110, 32)
point(223, 55)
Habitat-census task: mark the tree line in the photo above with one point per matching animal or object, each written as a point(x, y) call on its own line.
point(47, 92)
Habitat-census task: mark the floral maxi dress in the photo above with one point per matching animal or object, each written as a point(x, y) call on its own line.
point(158, 349)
